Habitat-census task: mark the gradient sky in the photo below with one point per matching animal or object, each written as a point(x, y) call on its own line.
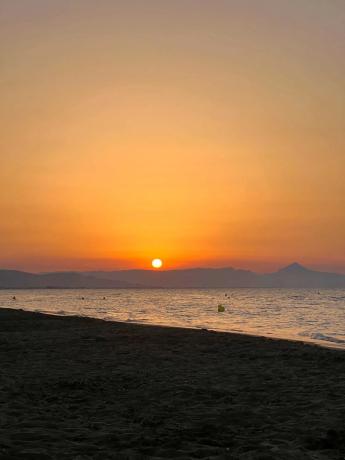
point(203, 132)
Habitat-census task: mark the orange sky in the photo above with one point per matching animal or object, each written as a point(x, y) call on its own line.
point(204, 133)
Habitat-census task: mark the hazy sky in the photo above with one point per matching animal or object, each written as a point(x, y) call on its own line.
point(202, 132)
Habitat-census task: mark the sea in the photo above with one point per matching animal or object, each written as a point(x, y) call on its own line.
point(307, 315)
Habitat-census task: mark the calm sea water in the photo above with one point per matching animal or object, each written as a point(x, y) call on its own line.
point(302, 314)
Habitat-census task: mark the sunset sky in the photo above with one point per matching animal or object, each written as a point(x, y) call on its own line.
point(203, 132)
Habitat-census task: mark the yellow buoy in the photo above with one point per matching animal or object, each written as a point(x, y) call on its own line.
point(221, 308)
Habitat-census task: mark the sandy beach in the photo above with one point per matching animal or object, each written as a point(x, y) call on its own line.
point(79, 388)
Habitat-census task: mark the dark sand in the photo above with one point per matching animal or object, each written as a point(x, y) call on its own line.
point(87, 389)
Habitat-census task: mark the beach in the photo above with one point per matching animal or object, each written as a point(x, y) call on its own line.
point(82, 388)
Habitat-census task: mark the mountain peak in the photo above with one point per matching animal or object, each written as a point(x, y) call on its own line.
point(294, 267)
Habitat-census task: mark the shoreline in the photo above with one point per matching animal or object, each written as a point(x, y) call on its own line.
point(80, 387)
point(318, 343)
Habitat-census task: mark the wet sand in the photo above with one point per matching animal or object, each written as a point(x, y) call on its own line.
point(79, 388)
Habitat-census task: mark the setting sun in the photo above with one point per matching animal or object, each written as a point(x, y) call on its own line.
point(157, 263)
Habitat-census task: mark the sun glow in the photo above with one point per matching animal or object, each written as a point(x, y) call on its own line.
point(157, 263)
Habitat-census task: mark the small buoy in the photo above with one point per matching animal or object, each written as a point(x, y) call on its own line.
point(103, 298)
point(226, 295)
point(221, 308)
point(83, 298)
point(14, 298)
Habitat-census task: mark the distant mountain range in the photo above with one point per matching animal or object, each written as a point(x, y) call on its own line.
point(62, 280)
point(292, 276)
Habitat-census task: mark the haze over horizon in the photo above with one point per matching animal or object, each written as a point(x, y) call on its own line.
point(262, 270)
point(202, 133)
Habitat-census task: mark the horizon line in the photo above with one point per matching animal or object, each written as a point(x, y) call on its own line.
point(227, 267)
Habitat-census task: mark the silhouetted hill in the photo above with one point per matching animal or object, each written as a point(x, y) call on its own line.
point(14, 278)
point(22, 280)
point(295, 275)
point(189, 278)
point(292, 276)
point(294, 268)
